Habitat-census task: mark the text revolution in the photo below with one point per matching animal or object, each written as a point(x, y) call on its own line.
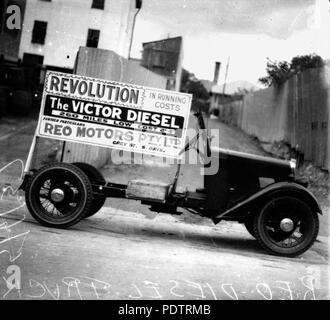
point(94, 90)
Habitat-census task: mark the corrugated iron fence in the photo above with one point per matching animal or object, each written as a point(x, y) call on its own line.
point(297, 113)
point(308, 115)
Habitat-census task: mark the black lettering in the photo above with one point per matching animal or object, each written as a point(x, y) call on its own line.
point(134, 96)
point(118, 135)
point(64, 84)
point(57, 130)
point(90, 132)
point(73, 85)
point(82, 87)
point(48, 127)
point(100, 93)
point(81, 132)
point(108, 133)
point(54, 83)
point(124, 95)
point(90, 94)
point(67, 131)
point(110, 91)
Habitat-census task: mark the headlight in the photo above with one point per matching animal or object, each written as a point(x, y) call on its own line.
point(293, 164)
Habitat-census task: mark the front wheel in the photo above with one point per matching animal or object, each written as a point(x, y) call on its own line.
point(286, 226)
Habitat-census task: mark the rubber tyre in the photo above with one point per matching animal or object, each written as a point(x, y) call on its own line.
point(82, 184)
point(249, 225)
point(95, 177)
point(311, 220)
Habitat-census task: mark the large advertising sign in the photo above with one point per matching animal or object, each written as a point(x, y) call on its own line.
point(113, 114)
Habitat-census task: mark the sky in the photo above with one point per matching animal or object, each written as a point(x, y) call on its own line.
point(247, 31)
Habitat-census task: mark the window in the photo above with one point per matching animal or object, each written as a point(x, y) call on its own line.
point(160, 59)
point(98, 4)
point(93, 38)
point(39, 32)
point(30, 59)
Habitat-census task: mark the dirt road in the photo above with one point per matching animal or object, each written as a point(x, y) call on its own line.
point(122, 255)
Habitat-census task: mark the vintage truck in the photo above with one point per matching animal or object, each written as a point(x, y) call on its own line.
point(260, 192)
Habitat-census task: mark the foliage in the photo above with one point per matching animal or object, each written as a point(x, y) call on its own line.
point(301, 63)
point(190, 84)
point(279, 72)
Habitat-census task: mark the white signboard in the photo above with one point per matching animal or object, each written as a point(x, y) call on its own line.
point(114, 115)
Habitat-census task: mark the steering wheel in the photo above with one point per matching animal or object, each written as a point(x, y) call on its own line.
point(205, 138)
point(202, 131)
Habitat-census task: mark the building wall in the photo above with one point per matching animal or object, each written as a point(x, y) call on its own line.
point(68, 24)
point(165, 58)
point(230, 112)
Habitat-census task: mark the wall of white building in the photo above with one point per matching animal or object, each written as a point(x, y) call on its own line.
point(68, 24)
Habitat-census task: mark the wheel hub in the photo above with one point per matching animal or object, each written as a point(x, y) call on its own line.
point(286, 225)
point(57, 195)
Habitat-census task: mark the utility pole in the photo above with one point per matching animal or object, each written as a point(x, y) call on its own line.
point(224, 85)
point(138, 5)
point(216, 72)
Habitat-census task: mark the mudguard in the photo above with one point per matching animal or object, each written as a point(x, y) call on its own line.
point(246, 207)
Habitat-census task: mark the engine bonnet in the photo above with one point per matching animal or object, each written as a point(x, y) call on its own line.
point(264, 165)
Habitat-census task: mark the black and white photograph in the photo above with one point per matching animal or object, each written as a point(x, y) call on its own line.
point(172, 152)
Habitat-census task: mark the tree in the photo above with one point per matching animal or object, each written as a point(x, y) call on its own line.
point(190, 84)
point(301, 63)
point(279, 72)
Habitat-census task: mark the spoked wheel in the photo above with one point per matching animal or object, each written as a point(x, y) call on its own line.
point(59, 195)
point(286, 226)
point(95, 177)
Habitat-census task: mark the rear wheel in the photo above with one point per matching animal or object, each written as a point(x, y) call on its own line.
point(286, 226)
point(95, 177)
point(59, 195)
